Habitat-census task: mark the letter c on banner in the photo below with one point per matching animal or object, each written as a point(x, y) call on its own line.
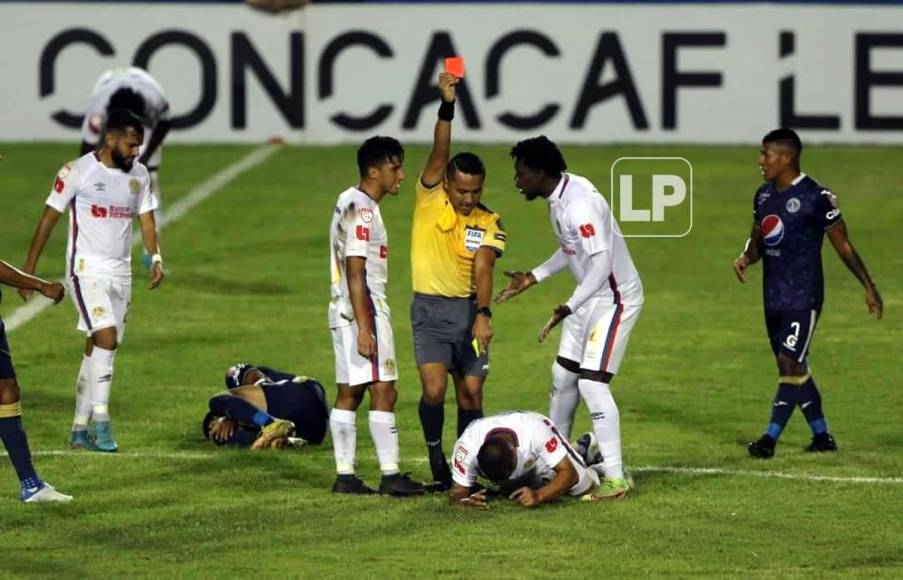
point(48, 66)
point(327, 63)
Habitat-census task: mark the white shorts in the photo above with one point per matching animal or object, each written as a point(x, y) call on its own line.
point(587, 477)
point(596, 335)
point(351, 368)
point(101, 303)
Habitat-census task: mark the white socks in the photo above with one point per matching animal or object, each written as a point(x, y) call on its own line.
point(82, 396)
point(606, 424)
point(385, 439)
point(101, 380)
point(564, 399)
point(344, 439)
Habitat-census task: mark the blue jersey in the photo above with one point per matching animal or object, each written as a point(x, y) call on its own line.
point(792, 224)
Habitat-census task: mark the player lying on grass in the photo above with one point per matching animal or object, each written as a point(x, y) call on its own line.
point(264, 407)
point(526, 457)
point(12, 431)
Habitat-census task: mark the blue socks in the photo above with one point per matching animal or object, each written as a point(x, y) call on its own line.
point(12, 433)
point(810, 403)
point(785, 399)
point(239, 410)
point(790, 394)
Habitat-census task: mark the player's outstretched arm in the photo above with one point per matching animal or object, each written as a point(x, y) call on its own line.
point(38, 241)
point(520, 281)
point(850, 257)
point(751, 253)
point(565, 478)
point(12, 276)
point(439, 155)
point(149, 237)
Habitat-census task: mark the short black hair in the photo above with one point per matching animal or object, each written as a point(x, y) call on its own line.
point(786, 137)
point(465, 162)
point(377, 150)
point(495, 459)
point(128, 100)
point(540, 153)
point(121, 119)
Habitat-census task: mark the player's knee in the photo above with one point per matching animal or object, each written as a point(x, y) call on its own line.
point(596, 376)
point(470, 400)
point(105, 338)
point(9, 391)
point(434, 392)
point(567, 364)
point(349, 398)
point(383, 396)
point(789, 367)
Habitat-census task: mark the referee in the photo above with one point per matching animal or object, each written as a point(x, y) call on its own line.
point(454, 244)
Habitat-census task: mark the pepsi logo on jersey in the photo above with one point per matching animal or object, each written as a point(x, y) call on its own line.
point(772, 230)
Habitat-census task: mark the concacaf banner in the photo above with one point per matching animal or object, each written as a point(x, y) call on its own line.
point(705, 73)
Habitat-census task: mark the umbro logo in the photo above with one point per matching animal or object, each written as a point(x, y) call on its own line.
point(100, 186)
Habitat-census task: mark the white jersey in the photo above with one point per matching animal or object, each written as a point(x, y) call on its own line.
point(584, 226)
point(539, 446)
point(102, 202)
point(157, 107)
point(357, 230)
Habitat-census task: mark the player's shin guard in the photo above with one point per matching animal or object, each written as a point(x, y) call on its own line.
point(810, 403)
point(385, 439)
point(239, 410)
point(101, 382)
point(785, 399)
point(606, 424)
point(83, 396)
point(12, 433)
point(344, 439)
point(564, 399)
point(466, 416)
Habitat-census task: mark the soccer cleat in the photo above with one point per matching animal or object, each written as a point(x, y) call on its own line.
point(278, 428)
point(822, 442)
point(588, 449)
point(611, 488)
point(103, 437)
point(81, 440)
point(763, 448)
point(442, 476)
point(45, 493)
point(400, 485)
point(351, 484)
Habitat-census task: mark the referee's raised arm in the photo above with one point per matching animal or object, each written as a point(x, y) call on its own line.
point(435, 165)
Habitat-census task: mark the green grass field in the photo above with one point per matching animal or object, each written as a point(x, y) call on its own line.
point(249, 281)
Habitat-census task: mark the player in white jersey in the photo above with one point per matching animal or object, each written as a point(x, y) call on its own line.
point(131, 89)
point(360, 321)
point(525, 455)
point(103, 192)
point(603, 309)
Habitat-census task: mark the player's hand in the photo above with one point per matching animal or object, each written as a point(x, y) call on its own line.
point(740, 266)
point(475, 500)
point(366, 343)
point(520, 281)
point(482, 332)
point(25, 293)
point(222, 429)
point(447, 82)
point(156, 275)
point(560, 312)
point(53, 290)
point(526, 497)
point(874, 302)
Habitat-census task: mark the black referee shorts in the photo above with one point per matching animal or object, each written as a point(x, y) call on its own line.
point(442, 334)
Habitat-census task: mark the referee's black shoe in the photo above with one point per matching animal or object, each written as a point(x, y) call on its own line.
point(350, 483)
point(763, 448)
point(400, 485)
point(441, 474)
point(822, 442)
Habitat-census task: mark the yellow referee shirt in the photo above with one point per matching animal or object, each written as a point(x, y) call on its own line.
point(444, 243)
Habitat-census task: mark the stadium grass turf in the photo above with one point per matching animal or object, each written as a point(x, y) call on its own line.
point(248, 281)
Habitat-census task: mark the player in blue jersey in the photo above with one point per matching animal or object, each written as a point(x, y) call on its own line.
point(264, 407)
point(791, 215)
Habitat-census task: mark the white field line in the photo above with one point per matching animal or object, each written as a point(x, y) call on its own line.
point(194, 455)
point(204, 190)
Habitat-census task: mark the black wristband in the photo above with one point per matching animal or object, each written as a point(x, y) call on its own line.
point(447, 111)
point(484, 310)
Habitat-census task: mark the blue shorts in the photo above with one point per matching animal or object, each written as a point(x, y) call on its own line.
point(304, 404)
point(790, 332)
point(6, 358)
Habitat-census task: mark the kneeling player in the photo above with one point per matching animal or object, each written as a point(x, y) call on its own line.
point(264, 407)
point(524, 455)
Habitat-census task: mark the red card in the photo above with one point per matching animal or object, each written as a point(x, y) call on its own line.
point(455, 65)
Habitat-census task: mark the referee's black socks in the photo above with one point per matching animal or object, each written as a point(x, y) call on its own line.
point(465, 416)
point(432, 419)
